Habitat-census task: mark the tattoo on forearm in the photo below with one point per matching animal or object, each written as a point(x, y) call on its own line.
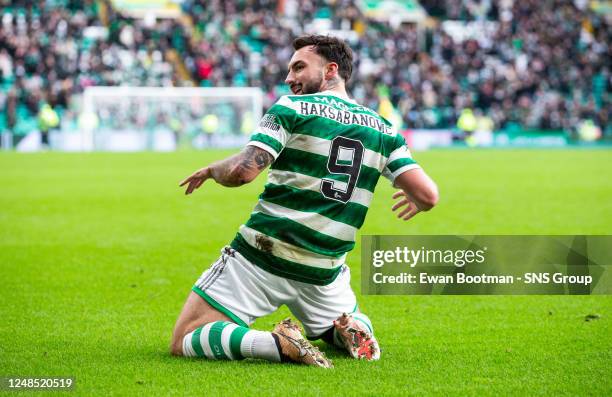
point(255, 158)
point(239, 169)
point(263, 159)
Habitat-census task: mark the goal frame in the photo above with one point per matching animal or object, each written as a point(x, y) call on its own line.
point(90, 93)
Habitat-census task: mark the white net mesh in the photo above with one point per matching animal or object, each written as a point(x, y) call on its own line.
point(157, 118)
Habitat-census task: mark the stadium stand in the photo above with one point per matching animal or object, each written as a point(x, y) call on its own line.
point(531, 64)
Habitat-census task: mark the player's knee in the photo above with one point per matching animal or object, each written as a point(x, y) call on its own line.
point(176, 346)
point(178, 336)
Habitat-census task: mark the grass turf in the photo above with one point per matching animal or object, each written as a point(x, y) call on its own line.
point(98, 252)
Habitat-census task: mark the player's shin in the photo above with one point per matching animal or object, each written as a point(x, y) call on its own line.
point(225, 340)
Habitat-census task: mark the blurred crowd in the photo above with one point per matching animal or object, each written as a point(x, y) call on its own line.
point(545, 65)
point(530, 64)
point(50, 50)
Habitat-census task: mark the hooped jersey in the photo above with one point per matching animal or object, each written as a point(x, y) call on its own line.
point(329, 153)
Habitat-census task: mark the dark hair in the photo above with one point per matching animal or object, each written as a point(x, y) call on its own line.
point(332, 49)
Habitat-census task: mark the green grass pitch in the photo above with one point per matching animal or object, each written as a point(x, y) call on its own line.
point(98, 252)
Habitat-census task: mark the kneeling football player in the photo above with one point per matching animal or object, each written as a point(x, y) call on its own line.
point(326, 154)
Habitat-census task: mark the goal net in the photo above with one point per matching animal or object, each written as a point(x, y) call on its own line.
point(165, 119)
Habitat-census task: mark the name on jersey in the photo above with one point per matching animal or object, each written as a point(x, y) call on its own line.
point(343, 116)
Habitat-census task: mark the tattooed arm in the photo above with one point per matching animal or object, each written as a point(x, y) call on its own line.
point(241, 168)
point(233, 171)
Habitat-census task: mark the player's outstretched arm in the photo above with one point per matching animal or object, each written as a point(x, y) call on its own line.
point(419, 193)
point(233, 171)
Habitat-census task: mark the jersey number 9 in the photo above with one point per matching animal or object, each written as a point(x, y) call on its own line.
point(338, 163)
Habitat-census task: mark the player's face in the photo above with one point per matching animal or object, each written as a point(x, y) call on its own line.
point(306, 71)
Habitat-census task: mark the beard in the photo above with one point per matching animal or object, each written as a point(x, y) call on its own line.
point(313, 86)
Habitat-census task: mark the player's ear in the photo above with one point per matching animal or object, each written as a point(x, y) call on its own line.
point(331, 70)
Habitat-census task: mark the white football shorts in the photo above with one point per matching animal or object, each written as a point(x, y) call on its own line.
point(244, 292)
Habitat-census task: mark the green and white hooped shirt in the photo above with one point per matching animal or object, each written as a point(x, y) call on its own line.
point(329, 153)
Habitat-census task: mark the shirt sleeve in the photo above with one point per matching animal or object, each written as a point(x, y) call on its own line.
point(400, 160)
point(274, 128)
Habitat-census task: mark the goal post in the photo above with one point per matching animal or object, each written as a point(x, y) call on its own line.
point(168, 118)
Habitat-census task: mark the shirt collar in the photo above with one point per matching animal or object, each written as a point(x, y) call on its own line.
point(337, 94)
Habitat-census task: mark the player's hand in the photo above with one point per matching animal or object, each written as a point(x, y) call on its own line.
point(411, 208)
point(196, 179)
